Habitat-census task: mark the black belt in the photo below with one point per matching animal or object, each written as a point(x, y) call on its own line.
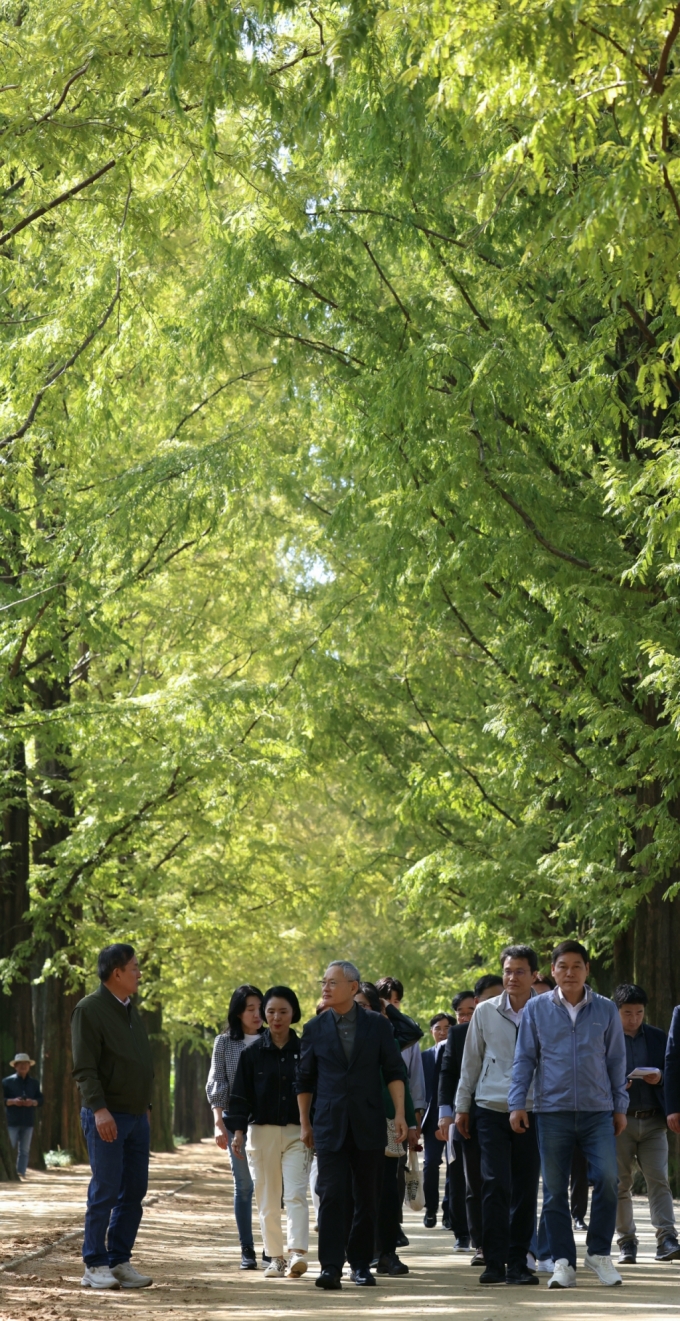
point(643, 1114)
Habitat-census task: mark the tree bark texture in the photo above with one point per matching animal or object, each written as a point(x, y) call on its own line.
point(8, 1161)
point(192, 1115)
point(16, 1019)
point(161, 1113)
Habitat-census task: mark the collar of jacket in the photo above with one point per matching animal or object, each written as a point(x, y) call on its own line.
point(109, 998)
point(503, 1002)
point(268, 1044)
point(555, 996)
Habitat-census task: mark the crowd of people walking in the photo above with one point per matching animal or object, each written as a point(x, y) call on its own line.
point(530, 1077)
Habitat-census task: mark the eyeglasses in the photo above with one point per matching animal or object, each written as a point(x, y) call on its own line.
point(331, 983)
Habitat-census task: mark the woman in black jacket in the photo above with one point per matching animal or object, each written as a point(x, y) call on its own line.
point(264, 1104)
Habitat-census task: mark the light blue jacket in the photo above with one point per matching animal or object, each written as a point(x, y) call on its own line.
point(574, 1066)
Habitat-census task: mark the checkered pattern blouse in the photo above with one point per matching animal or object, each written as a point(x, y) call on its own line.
point(225, 1057)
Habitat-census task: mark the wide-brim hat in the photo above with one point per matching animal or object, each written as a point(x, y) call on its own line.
point(20, 1058)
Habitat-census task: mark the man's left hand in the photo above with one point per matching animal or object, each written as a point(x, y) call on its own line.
point(400, 1128)
point(620, 1122)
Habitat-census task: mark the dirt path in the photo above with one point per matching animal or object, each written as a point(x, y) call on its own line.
point(188, 1243)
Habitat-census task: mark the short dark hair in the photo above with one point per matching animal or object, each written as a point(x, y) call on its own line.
point(489, 979)
point(283, 993)
point(437, 1018)
point(371, 993)
point(544, 979)
point(320, 1006)
point(386, 985)
point(628, 993)
point(570, 947)
point(237, 1006)
point(114, 956)
point(459, 997)
point(520, 952)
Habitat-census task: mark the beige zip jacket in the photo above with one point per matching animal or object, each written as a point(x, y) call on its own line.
point(488, 1056)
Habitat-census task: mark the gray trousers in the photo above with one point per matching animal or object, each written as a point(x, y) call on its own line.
point(644, 1140)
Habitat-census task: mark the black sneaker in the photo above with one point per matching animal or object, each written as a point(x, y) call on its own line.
point(668, 1249)
point(446, 1223)
point(390, 1264)
point(429, 1220)
point(493, 1275)
point(402, 1241)
point(478, 1259)
point(579, 1224)
point(362, 1275)
point(248, 1259)
point(628, 1253)
point(266, 1259)
point(520, 1277)
point(328, 1279)
point(462, 1244)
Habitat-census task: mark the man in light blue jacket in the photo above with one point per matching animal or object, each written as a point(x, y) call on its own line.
point(571, 1046)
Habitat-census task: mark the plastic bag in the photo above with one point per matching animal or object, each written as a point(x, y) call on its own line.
point(414, 1195)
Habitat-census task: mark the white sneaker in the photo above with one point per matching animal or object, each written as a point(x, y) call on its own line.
point(603, 1267)
point(276, 1267)
point(129, 1278)
point(297, 1264)
point(563, 1276)
point(99, 1277)
point(545, 1266)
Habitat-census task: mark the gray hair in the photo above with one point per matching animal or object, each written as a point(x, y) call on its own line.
point(350, 969)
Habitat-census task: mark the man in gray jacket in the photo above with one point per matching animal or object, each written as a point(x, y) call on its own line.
point(571, 1046)
point(509, 1159)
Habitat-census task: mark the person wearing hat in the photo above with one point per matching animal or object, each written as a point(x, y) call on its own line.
point(22, 1097)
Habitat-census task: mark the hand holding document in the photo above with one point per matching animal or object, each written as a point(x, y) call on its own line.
point(645, 1074)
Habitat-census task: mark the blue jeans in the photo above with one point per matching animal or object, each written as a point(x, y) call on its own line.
point(594, 1132)
point(120, 1176)
point(243, 1197)
point(20, 1139)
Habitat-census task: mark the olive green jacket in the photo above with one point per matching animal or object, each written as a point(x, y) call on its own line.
point(112, 1061)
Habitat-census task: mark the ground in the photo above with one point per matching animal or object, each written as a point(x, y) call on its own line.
point(188, 1243)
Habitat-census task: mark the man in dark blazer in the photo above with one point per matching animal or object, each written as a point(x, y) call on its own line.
point(344, 1054)
point(433, 1145)
point(449, 1077)
point(645, 1138)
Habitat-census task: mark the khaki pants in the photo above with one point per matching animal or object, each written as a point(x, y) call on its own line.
point(644, 1140)
point(279, 1163)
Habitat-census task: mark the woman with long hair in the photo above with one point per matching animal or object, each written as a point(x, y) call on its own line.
point(242, 1029)
point(264, 1104)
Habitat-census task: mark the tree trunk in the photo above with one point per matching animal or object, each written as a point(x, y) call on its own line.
point(8, 1160)
point(16, 1020)
point(192, 1114)
point(161, 1113)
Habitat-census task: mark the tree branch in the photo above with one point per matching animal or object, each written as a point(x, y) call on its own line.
point(657, 85)
point(385, 281)
point(58, 201)
point(74, 78)
point(59, 371)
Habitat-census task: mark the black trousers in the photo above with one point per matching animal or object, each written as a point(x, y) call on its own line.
point(458, 1196)
point(389, 1206)
point(579, 1185)
point(510, 1168)
point(472, 1165)
point(434, 1151)
point(332, 1185)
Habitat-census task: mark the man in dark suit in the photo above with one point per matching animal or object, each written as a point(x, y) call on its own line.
point(343, 1054)
point(433, 1145)
point(449, 1077)
point(645, 1138)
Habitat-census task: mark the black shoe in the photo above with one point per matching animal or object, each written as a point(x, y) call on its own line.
point(492, 1275)
point(520, 1277)
point(362, 1275)
point(374, 1263)
point(668, 1249)
point(429, 1220)
point(628, 1253)
point(390, 1264)
point(248, 1259)
point(402, 1241)
point(328, 1279)
point(579, 1224)
point(446, 1223)
point(266, 1259)
point(478, 1259)
point(462, 1244)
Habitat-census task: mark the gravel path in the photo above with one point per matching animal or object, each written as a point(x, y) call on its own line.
point(188, 1243)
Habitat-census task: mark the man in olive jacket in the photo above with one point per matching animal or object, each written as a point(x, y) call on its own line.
point(113, 1067)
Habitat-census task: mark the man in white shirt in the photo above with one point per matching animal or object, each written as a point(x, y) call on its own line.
point(509, 1161)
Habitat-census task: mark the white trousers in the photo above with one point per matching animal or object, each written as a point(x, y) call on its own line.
point(279, 1163)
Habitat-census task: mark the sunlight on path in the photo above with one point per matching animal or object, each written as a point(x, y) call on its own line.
point(188, 1243)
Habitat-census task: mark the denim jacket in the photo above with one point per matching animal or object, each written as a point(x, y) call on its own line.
point(574, 1066)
